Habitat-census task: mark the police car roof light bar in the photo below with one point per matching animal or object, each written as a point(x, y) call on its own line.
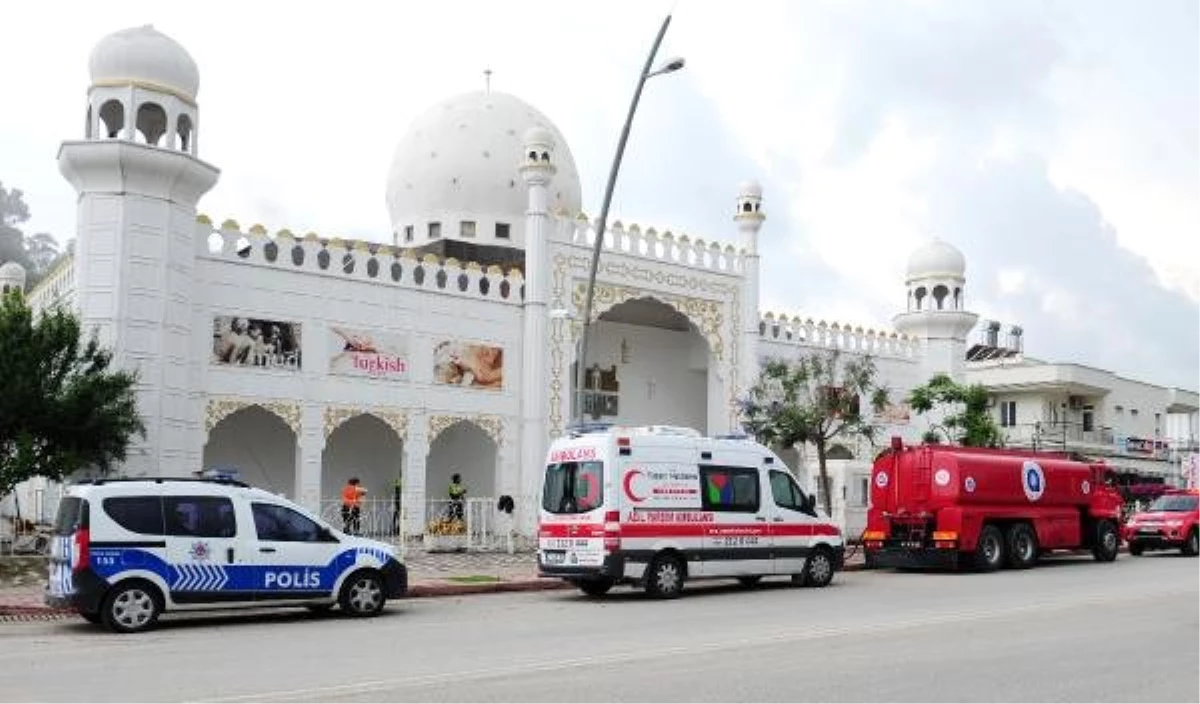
point(159, 480)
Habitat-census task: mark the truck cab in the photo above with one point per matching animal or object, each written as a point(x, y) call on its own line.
point(1168, 523)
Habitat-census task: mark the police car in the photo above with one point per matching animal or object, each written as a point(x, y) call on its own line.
point(126, 550)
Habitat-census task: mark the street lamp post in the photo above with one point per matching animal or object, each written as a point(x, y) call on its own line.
point(668, 67)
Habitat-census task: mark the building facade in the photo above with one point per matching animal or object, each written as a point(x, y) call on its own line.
point(298, 360)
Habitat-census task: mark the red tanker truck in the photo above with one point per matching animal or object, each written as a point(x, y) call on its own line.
point(946, 506)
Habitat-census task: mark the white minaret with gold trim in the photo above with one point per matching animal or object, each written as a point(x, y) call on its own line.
point(138, 179)
point(749, 218)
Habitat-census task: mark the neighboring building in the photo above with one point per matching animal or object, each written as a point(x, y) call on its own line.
point(300, 360)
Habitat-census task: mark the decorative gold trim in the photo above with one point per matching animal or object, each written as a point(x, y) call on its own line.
point(335, 416)
point(146, 85)
point(490, 424)
point(218, 409)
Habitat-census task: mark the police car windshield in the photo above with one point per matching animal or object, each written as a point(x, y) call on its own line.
point(1180, 504)
point(573, 487)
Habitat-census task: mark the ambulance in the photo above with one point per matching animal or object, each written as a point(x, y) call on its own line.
point(656, 506)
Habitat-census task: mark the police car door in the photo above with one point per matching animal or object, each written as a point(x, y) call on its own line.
point(295, 556)
point(791, 526)
point(205, 550)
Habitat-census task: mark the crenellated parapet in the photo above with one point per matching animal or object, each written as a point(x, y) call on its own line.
point(652, 245)
point(369, 262)
point(831, 335)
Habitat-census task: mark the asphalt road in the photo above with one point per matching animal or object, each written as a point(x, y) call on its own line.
point(1069, 630)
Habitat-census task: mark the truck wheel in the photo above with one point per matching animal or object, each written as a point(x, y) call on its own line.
point(1108, 542)
point(1192, 546)
point(989, 551)
point(594, 587)
point(1136, 548)
point(1022, 546)
point(664, 577)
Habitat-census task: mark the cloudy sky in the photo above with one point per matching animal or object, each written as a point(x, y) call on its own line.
point(1056, 143)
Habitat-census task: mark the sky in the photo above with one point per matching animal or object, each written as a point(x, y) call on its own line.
point(1057, 144)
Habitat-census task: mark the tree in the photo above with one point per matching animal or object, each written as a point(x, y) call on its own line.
point(813, 400)
point(967, 421)
point(37, 253)
point(62, 408)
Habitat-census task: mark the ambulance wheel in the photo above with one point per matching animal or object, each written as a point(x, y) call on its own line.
point(1192, 546)
point(362, 594)
point(131, 607)
point(664, 577)
point(989, 551)
point(1022, 546)
point(750, 581)
point(818, 569)
point(1108, 542)
point(594, 587)
point(1136, 548)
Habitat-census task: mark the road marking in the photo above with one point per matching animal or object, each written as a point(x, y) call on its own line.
point(366, 687)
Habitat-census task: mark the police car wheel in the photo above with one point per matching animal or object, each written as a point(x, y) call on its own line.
point(131, 607)
point(362, 594)
point(1108, 542)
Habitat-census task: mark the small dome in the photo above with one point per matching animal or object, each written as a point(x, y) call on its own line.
point(12, 270)
point(752, 189)
point(144, 54)
point(936, 258)
point(461, 159)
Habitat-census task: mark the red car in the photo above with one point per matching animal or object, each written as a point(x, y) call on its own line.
point(1169, 522)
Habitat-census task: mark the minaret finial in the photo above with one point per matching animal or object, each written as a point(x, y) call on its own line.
point(487, 80)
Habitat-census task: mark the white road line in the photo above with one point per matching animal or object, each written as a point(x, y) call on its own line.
point(324, 693)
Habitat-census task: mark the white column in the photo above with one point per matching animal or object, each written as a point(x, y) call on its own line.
point(310, 449)
point(416, 454)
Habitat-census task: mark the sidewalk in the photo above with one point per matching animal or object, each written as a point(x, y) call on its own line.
point(429, 575)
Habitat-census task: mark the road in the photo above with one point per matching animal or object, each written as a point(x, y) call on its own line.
point(1069, 630)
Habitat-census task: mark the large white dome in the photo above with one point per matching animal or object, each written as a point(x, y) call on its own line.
point(459, 162)
point(144, 54)
point(936, 258)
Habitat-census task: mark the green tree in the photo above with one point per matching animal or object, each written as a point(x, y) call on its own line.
point(37, 253)
point(62, 408)
point(967, 420)
point(814, 399)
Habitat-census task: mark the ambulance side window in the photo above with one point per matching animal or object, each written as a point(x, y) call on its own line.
point(786, 493)
point(732, 489)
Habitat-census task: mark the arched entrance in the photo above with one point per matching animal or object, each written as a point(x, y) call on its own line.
point(368, 448)
point(463, 448)
point(648, 364)
point(258, 445)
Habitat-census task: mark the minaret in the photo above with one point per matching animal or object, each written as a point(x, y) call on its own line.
point(537, 169)
point(138, 179)
point(935, 313)
point(749, 218)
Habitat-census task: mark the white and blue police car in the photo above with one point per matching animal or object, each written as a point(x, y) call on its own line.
point(127, 550)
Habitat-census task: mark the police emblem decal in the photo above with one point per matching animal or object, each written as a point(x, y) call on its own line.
point(200, 551)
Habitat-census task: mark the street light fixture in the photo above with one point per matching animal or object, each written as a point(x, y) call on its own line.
point(670, 66)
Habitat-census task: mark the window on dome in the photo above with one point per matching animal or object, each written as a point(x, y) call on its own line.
point(502, 231)
point(435, 230)
point(466, 228)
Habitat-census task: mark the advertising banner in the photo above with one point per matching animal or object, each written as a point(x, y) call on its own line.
point(256, 342)
point(371, 354)
point(472, 364)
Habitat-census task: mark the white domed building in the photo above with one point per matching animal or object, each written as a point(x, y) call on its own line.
point(450, 344)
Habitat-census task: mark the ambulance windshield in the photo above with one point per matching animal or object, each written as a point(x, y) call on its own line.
point(573, 487)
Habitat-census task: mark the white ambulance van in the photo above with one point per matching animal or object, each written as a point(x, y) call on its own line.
point(655, 506)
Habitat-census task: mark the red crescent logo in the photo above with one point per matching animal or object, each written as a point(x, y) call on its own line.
point(629, 477)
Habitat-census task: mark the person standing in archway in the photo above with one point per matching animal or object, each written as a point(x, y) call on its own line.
point(458, 494)
point(352, 495)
